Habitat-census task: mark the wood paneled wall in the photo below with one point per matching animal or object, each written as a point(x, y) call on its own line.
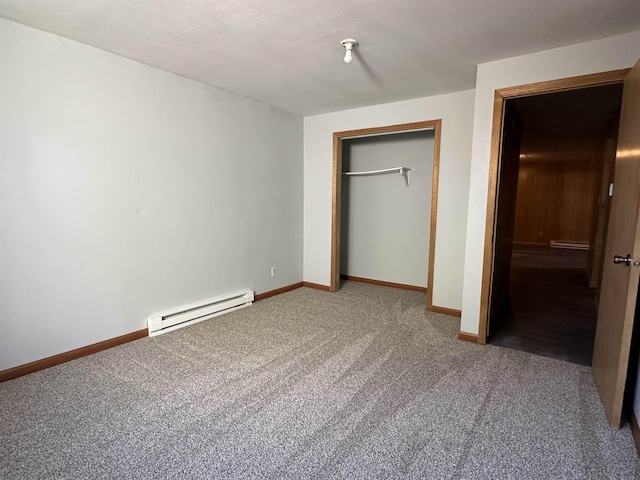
point(555, 202)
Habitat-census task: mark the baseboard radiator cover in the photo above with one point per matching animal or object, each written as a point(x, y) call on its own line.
point(569, 245)
point(197, 312)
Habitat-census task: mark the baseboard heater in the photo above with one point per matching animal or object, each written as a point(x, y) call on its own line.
point(197, 312)
point(570, 245)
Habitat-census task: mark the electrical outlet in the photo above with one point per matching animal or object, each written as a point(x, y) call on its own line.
point(273, 271)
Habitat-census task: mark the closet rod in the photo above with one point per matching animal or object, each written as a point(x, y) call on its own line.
point(404, 171)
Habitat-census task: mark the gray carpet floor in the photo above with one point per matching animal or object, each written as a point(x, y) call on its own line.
point(362, 383)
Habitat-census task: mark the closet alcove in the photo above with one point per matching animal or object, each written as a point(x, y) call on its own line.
point(386, 207)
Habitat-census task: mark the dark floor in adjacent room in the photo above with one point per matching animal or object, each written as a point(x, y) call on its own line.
point(553, 309)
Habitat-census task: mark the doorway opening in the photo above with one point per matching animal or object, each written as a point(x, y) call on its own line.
point(337, 256)
point(556, 161)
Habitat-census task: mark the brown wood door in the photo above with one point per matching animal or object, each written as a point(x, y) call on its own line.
point(620, 281)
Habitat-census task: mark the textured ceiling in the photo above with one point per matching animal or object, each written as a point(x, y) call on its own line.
point(288, 53)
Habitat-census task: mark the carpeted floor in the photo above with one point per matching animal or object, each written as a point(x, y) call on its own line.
point(362, 383)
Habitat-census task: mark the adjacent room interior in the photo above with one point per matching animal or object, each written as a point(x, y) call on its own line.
point(547, 304)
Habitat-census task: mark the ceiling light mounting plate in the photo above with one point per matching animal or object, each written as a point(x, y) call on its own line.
point(349, 43)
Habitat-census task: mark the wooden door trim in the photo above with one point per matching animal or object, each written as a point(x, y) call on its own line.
point(501, 95)
point(338, 137)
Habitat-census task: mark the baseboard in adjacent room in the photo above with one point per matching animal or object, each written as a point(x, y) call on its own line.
point(54, 360)
point(385, 284)
point(277, 291)
point(635, 430)
point(446, 311)
point(530, 244)
point(468, 337)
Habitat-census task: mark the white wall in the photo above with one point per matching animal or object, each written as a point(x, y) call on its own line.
point(585, 58)
point(456, 112)
point(126, 190)
point(385, 224)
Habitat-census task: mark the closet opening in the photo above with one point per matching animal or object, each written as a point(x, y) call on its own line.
point(385, 186)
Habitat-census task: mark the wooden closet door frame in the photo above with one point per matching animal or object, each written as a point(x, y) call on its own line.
point(501, 95)
point(338, 137)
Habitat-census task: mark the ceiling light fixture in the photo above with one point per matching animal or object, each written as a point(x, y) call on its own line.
point(349, 45)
